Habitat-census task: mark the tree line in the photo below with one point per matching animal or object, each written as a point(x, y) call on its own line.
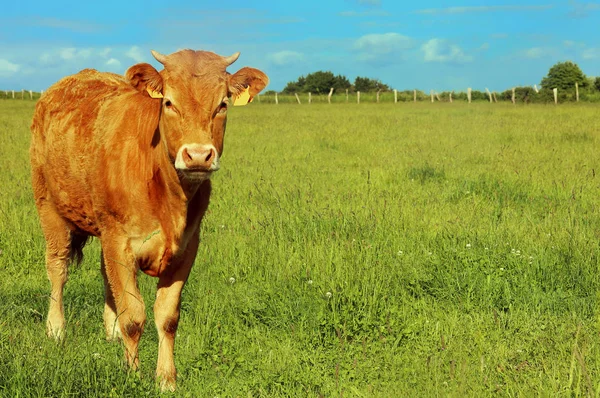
point(321, 82)
point(562, 75)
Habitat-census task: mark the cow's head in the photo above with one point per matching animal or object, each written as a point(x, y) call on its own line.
point(196, 91)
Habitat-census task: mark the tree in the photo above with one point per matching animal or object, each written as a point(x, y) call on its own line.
point(342, 83)
point(295, 87)
point(563, 76)
point(597, 83)
point(319, 82)
point(365, 84)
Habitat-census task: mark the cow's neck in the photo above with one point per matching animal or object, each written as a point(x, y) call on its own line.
point(189, 187)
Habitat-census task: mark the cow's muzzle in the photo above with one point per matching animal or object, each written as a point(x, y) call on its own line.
point(193, 158)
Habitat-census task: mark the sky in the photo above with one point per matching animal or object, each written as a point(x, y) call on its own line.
point(429, 45)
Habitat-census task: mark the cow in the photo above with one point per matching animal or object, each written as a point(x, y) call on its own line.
point(128, 159)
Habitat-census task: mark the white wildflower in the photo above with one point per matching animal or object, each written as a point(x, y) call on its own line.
point(232, 280)
point(328, 295)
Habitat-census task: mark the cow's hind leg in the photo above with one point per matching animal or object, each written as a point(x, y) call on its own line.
point(57, 232)
point(120, 272)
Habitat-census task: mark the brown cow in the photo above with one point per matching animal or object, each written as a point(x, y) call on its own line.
point(111, 159)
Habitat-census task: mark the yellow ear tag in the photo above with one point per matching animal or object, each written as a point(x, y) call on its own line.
point(153, 93)
point(243, 98)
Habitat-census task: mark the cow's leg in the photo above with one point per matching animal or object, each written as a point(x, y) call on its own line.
point(121, 273)
point(166, 313)
point(111, 326)
point(57, 232)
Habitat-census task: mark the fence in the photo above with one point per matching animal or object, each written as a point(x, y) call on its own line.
point(20, 95)
point(526, 94)
point(514, 95)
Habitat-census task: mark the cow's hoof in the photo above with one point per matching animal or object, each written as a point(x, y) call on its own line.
point(167, 384)
point(55, 331)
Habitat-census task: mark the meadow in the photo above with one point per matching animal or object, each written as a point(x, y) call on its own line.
point(372, 250)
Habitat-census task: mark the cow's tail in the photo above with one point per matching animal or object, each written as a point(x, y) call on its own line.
point(78, 241)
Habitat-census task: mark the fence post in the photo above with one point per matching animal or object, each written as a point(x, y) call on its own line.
point(378, 91)
point(42, 93)
point(576, 91)
point(13, 93)
point(346, 95)
point(329, 96)
point(469, 94)
point(22, 93)
point(513, 97)
point(555, 91)
point(535, 88)
point(438, 97)
point(431, 93)
point(395, 96)
point(494, 95)
point(298, 99)
point(450, 96)
point(276, 100)
point(310, 98)
point(30, 95)
point(358, 97)
point(489, 94)
point(414, 95)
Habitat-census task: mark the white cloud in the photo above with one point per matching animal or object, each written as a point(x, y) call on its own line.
point(441, 50)
point(7, 68)
point(463, 10)
point(104, 53)
point(113, 62)
point(591, 53)
point(368, 13)
point(538, 52)
point(374, 3)
point(136, 54)
point(535, 52)
point(71, 53)
point(45, 58)
point(285, 57)
point(484, 46)
point(582, 10)
point(385, 43)
point(84, 53)
point(67, 53)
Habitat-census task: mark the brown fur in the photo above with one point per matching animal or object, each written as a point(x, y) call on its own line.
point(102, 153)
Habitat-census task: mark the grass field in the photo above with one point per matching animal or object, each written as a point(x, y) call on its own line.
point(374, 250)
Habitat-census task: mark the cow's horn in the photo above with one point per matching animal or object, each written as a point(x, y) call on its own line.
point(231, 59)
point(159, 57)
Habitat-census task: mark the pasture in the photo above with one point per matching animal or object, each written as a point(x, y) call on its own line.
point(349, 250)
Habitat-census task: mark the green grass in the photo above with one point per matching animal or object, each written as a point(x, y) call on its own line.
point(377, 250)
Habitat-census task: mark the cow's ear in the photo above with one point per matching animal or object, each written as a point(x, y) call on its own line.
point(145, 79)
point(245, 84)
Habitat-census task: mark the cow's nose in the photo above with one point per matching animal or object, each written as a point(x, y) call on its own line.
point(200, 157)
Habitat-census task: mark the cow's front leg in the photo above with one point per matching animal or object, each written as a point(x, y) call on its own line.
point(121, 269)
point(111, 326)
point(166, 313)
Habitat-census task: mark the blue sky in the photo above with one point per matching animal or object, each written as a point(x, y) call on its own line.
point(440, 45)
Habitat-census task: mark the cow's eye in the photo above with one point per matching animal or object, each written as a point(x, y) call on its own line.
point(222, 108)
point(168, 103)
